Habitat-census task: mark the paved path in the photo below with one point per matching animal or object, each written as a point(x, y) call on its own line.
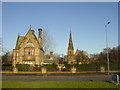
point(82, 77)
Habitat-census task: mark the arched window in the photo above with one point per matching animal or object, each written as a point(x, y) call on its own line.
point(29, 49)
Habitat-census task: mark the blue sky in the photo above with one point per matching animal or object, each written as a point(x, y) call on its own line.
point(86, 20)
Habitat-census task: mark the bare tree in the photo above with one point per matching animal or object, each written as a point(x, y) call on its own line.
point(0, 45)
point(47, 42)
point(0, 53)
point(7, 58)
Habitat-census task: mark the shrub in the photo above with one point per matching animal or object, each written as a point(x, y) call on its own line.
point(36, 68)
point(23, 67)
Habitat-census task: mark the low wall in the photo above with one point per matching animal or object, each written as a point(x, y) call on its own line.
point(59, 72)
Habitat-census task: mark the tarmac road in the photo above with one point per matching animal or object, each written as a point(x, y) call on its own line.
point(33, 77)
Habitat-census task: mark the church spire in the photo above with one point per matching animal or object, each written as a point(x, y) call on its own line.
point(70, 45)
point(70, 53)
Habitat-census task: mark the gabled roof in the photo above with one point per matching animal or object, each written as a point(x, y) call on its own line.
point(21, 39)
point(77, 52)
point(29, 31)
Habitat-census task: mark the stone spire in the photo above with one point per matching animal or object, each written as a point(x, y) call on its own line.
point(70, 45)
point(70, 54)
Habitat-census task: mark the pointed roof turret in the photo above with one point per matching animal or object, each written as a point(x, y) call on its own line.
point(70, 45)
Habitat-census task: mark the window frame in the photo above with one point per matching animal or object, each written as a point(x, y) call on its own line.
point(29, 51)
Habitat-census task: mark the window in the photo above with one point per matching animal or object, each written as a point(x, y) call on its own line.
point(17, 54)
point(28, 62)
point(29, 53)
point(29, 49)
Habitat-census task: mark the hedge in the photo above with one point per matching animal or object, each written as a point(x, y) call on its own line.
point(51, 67)
point(27, 67)
point(7, 68)
point(83, 67)
point(95, 66)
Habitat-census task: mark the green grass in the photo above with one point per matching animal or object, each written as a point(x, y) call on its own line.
point(56, 84)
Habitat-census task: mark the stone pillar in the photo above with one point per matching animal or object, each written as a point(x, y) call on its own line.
point(15, 70)
point(59, 67)
point(102, 69)
point(73, 69)
point(44, 70)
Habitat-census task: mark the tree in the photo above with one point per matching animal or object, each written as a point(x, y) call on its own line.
point(7, 58)
point(82, 57)
point(119, 53)
point(47, 42)
point(0, 44)
point(0, 51)
point(113, 55)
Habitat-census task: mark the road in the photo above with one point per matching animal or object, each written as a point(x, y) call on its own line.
point(40, 77)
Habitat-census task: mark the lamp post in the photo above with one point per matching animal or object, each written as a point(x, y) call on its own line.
point(107, 47)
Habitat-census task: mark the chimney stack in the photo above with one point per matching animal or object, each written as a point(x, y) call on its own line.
point(40, 37)
point(51, 55)
point(40, 33)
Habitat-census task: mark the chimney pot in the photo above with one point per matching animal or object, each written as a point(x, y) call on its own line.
point(40, 29)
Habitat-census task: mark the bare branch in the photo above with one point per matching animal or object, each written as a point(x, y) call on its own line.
point(47, 42)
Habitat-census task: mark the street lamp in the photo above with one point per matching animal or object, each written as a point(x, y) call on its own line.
point(107, 46)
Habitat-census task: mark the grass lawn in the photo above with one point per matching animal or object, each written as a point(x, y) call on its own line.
point(56, 84)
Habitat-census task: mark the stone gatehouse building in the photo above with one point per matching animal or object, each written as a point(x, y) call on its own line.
point(29, 49)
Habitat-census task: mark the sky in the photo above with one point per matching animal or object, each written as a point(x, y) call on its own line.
point(85, 20)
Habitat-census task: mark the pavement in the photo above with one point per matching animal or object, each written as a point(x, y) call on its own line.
point(57, 77)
